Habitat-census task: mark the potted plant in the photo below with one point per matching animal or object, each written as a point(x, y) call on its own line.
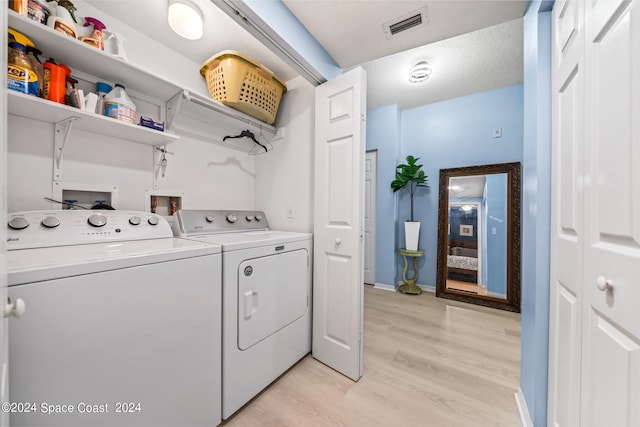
point(410, 176)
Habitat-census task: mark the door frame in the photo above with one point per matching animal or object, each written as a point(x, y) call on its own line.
point(373, 156)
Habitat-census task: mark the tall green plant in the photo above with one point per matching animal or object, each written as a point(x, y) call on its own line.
point(409, 176)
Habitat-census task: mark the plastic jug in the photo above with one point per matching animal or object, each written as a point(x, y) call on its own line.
point(118, 105)
point(20, 75)
point(36, 65)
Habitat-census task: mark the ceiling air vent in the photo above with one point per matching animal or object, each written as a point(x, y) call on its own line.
point(417, 18)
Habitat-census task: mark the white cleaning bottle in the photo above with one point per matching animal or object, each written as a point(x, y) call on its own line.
point(118, 105)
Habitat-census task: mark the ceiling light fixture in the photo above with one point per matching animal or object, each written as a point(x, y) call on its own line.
point(420, 72)
point(185, 19)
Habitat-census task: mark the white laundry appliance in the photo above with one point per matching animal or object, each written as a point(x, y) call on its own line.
point(266, 291)
point(121, 323)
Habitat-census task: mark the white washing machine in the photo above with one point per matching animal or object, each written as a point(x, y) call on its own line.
point(122, 325)
point(266, 297)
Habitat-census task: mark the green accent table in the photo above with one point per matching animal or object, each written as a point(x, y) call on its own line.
point(409, 286)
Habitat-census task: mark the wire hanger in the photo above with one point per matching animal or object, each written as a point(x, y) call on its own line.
point(251, 136)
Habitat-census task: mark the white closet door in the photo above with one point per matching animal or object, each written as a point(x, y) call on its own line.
point(567, 217)
point(611, 333)
point(339, 223)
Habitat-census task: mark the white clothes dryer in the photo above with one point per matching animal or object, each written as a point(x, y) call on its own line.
point(266, 291)
point(122, 325)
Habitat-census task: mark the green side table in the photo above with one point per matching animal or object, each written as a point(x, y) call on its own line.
point(409, 286)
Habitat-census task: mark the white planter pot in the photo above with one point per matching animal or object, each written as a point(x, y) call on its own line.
point(411, 234)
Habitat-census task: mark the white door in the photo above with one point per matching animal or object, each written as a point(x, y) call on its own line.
point(338, 223)
point(611, 315)
point(4, 359)
point(370, 190)
point(567, 231)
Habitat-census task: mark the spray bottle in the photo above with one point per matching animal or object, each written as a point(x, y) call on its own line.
point(95, 38)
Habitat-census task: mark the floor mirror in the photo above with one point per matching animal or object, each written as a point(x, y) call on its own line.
point(479, 235)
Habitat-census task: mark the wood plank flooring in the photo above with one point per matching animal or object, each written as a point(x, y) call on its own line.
point(427, 362)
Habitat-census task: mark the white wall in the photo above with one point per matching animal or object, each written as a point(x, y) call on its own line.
point(284, 176)
point(209, 175)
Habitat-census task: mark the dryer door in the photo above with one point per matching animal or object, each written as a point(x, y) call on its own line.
point(272, 293)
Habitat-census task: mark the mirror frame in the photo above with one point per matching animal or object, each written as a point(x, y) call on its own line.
point(512, 302)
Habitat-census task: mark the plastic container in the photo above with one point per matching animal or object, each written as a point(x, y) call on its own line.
point(38, 11)
point(19, 6)
point(36, 65)
point(20, 76)
point(55, 77)
point(240, 82)
point(118, 105)
point(103, 89)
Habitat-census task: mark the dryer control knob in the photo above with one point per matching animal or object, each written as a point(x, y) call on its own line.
point(258, 217)
point(50, 222)
point(18, 223)
point(210, 218)
point(153, 220)
point(135, 220)
point(232, 218)
point(97, 220)
point(249, 217)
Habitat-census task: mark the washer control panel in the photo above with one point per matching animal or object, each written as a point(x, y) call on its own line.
point(196, 222)
point(38, 229)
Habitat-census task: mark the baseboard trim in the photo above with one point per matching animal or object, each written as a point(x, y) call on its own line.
point(523, 411)
point(425, 288)
point(385, 287)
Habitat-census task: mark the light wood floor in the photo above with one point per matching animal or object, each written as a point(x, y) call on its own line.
point(468, 287)
point(427, 362)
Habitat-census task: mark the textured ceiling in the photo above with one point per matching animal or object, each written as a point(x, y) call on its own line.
point(475, 62)
point(352, 30)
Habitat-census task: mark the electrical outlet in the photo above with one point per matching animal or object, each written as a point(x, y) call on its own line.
point(497, 132)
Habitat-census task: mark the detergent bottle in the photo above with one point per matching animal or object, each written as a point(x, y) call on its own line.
point(118, 105)
point(36, 65)
point(20, 74)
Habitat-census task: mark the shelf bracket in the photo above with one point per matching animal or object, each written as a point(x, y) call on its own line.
point(61, 133)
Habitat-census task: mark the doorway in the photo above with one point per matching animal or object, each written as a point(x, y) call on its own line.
point(370, 189)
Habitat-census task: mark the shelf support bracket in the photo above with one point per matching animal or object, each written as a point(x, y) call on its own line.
point(61, 133)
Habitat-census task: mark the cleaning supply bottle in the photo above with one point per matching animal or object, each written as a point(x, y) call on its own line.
point(95, 37)
point(118, 105)
point(20, 75)
point(19, 6)
point(63, 20)
point(36, 65)
point(103, 89)
point(55, 78)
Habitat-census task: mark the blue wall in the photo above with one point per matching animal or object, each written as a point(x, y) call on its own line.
point(454, 133)
point(536, 210)
point(383, 135)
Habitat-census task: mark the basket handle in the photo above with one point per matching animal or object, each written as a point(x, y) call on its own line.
point(213, 64)
point(210, 66)
point(264, 74)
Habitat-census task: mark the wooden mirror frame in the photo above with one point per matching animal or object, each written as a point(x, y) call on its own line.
point(512, 302)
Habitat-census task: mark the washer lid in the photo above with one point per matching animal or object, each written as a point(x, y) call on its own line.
point(254, 239)
point(32, 265)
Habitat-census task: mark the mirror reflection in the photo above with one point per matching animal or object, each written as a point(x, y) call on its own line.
point(477, 243)
point(479, 235)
